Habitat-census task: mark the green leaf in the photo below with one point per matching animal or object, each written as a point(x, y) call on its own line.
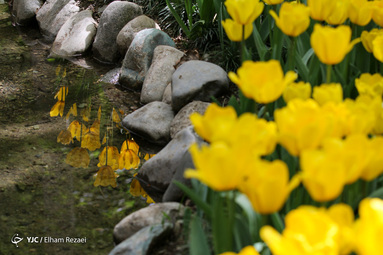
point(198, 240)
point(377, 193)
point(261, 47)
point(178, 19)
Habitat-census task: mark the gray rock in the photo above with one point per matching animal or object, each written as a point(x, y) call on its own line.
point(144, 241)
point(111, 76)
point(167, 96)
point(157, 173)
point(53, 14)
point(148, 216)
point(75, 36)
point(151, 121)
point(25, 10)
point(160, 73)
point(182, 118)
point(129, 31)
point(139, 56)
point(112, 20)
point(197, 80)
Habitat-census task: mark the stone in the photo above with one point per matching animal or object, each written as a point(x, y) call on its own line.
point(144, 241)
point(197, 80)
point(112, 20)
point(151, 122)
point(160, 73)
point(157, 173)
point(111, 76)
point(167, 96)
point(139, 56)
point(152, 215)
point(182, 118)
point(53, 14)
point(75, 36)
point(25, 10)
point(129, 31)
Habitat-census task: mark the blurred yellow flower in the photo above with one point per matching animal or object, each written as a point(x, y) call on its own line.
point(57, 109)
point(332, 44)
point(377, 13)
point(262, 81)
point(248, 250)
point(216, 124)
point(273, 2)
point(302, 125)
point(65, 137)
point(321, 9)
point(76, 129)
point(109, 156)
point(368, 37)
point(308, 230)
point(62, 93)
point(220, 166)
point(377, 47)
point(130, 144)
point(128, 159)
point(362, 118)
point(360, 12)
point(91, 141)
point(369, 227)
point(243, 11)
point(325, 93)
point(267, 185)
point(234, 30)
point(78, 157)
point(370, 84)
point(323, 174)
point(338, 117)
point(136, 190)
point(340, 13)
point(294, 90)
point(293, 18)
point(374, 167)
point(105, 177)
point(72, 111)
point(115, 116)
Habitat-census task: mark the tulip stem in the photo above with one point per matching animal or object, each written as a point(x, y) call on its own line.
point(328, 74)
point(291, 58)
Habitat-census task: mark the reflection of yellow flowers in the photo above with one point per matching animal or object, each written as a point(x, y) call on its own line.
point(302, 125)
point(110, 156)
point(136, 190)
point(262, 81)
point(78, 157)
point(248, 250)
point(294, 90)
point(308, 230)
point(293, 18)
point(215, 124)
point(76, 129)
point(72, 111)
point(234, 30)
point(115, 116)
point(321, 9)
point(129, 155)
point(331, 44)
point(65, 137)
point(267, 185)
point(325, 93)
point(370, 84)
point(62, 93)
point(105, 177)
point(244, 11)
point(340, 13)
point(369, 227)
point(360, 12)
point(57, 109)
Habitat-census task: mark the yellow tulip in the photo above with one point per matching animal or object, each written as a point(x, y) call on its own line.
point(273, 2)
point(370, 84)
point(308, 231)
point(219, 166)
point(105, 177)
point(262, 81)
point(302, 125)
point(374, 167)
point(215, 124)
point(325, 93)
point(321, 9)
point(323, 174)
point(248, 250)
point(340, 13)
point(377, 13)
point(234, 30)
point(362, 118)
point(243, 11)
point(78, 157)
point(294, 90)
point(378, 48)
point(360, 12)
point(128, 159)
point(338, 116)
point(130, 144)
point(293, 18)
point(331, 44)
point(368, 37)
point(369, 227)
point(109, 156)
point(267, 186)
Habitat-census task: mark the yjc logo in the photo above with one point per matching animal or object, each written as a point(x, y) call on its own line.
point(16, 239)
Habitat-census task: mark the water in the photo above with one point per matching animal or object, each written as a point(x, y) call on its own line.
point(43, 200)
